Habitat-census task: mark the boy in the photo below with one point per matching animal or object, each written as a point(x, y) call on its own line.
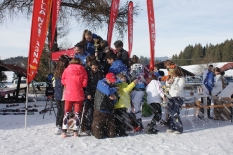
point(94, 75)
point(121, 53)
point(117, 66)
point(103, 117)
point(124, 102)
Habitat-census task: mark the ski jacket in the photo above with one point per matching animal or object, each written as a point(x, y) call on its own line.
point(209, 81)
point(123, 93)
point(89, 46)
point(124, 57)
point(154, 92)
point(102, 101)
point(82, 57)
point(177, 87)
point(58, 89)
point(118, 67)
point(74, 78)
point(93, 79)
point(217, 85)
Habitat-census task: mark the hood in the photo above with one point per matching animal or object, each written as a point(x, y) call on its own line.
point(74, 69)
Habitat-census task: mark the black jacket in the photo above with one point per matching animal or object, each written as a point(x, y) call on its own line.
point(93, 79)
point(124, 57)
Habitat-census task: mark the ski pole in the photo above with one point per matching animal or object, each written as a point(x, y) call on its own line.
point(81, 121)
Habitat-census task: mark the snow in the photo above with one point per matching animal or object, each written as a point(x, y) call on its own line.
point(200, 137)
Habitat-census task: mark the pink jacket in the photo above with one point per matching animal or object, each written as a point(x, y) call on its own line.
point(74, 78)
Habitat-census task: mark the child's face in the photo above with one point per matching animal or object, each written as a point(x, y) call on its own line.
point(110, 61)
point(123, 79)
point(88, 37)
point(94, 68)
point(118, 49)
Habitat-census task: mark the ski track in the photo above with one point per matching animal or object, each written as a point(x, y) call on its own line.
point(204, 137)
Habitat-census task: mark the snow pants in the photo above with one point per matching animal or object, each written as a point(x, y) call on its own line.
point(103, 125)
point(174, 105)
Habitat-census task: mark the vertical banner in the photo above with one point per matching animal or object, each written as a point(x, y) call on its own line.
point(55, 13)
point(112, 19)
point(39, 27)
point(151, 21)
point(130, 27)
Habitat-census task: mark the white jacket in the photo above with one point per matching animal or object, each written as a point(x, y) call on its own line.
point(177, 87)
point(154, 92)
point(217, 85)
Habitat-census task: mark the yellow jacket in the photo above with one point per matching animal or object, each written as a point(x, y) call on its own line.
point(123, 93)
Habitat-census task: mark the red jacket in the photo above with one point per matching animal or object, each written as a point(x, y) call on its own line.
point(74, 78)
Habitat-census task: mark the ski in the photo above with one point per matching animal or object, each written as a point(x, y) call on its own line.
point(16, 113)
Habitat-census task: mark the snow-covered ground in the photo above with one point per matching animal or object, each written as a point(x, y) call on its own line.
point(202, 137)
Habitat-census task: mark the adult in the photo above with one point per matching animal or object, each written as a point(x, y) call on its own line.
point(208, 87)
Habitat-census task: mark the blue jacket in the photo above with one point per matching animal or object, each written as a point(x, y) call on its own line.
point(102, 101)
point(90, 48)
point(118, 67)
point(82, 57)
point(209, 81)
point(103, 87)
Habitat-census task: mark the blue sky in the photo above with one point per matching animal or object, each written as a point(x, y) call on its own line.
point(178, 24)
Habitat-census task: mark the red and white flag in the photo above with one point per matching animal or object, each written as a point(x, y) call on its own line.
point(55, 13)
point(39, 27)
point(151, 21)
point(130, 27)
point(112, 19)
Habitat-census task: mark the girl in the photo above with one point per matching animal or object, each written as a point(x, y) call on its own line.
point(74, 78)
point(154, 94)
point(175, 102)
point(63, 62)
point(88, 42)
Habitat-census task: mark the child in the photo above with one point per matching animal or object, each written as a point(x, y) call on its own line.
point(94, 75)
point(103, 116)
point(154, 94)
point(63, 62)
point(74, 78)
point(80, 53)
point(117, 66)
point(137, 95)
point(123, 103)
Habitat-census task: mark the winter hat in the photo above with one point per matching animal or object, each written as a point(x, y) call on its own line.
point(111, 77)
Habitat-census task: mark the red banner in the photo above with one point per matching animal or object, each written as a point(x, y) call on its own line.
point(112, 19)
point(69, 52)
point(130, 26)
point(151, 21)
point(39, 27)
point(55, 13)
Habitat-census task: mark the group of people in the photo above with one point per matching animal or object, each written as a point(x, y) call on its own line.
point(110, 87)
point(214, 82)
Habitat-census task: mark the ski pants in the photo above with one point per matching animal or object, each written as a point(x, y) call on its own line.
point(103, 125)
point(60, 113)
point(156, 107)
point(174, 121)
point(136, 96)
point(77, 112)
point(88, 114)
